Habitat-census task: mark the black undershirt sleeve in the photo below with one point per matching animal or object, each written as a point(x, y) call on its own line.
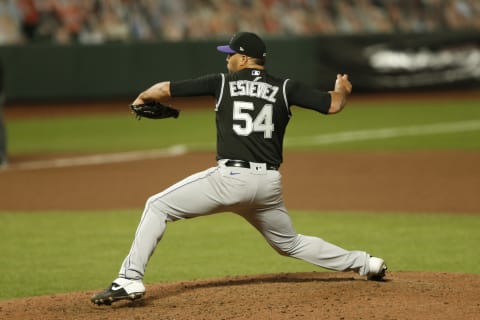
point(203, 86)
point(304, 96)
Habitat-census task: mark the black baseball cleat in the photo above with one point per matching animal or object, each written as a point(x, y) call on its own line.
point(378, 268)
point(120, 289)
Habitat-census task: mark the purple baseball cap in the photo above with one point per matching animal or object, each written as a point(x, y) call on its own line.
point(246, 43)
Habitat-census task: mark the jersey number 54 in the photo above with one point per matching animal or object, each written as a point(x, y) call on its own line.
point(262, 123)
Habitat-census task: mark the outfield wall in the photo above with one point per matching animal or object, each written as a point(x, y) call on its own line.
point(375, 62)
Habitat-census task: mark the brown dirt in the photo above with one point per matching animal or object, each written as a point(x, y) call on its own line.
point(361, 181)
point(367, 181)
point(405, 295)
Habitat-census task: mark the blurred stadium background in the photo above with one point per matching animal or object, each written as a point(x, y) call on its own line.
point(94, 49)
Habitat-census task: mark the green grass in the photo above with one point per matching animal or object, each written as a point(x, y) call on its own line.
point(110, 133)
point(52, 252)
point(380, 115)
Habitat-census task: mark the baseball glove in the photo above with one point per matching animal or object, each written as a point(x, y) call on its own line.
point(154, 110)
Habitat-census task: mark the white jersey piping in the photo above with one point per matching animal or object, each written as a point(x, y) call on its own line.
point(221, 93)
point(284, 89)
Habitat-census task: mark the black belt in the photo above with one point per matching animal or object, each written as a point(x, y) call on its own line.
point(246, 164)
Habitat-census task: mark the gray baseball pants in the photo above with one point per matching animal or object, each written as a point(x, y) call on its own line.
point(254, 193)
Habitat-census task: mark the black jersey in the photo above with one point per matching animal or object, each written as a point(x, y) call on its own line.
point(252, 111)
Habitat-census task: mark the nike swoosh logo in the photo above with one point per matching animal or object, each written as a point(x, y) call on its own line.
point(116, 287)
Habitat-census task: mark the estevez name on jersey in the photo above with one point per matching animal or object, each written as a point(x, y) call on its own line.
point(253, 89)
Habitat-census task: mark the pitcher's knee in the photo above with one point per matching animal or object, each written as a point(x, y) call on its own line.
point(159, 206)
point(156, 206)
point(286, 246)
point(151, 203)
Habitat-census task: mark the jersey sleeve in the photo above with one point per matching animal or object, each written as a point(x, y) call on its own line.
point(207, 85)
point(304, 96)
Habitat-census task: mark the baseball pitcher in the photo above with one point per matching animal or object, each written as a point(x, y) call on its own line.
point(252, 112)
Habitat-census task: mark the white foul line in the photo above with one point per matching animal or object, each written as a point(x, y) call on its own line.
point(385, 133)
point(324, 139)
point(100, 159)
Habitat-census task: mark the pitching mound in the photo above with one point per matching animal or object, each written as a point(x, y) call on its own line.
point(404, 295)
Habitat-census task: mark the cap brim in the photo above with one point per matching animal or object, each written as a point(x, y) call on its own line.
point(226, 49)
